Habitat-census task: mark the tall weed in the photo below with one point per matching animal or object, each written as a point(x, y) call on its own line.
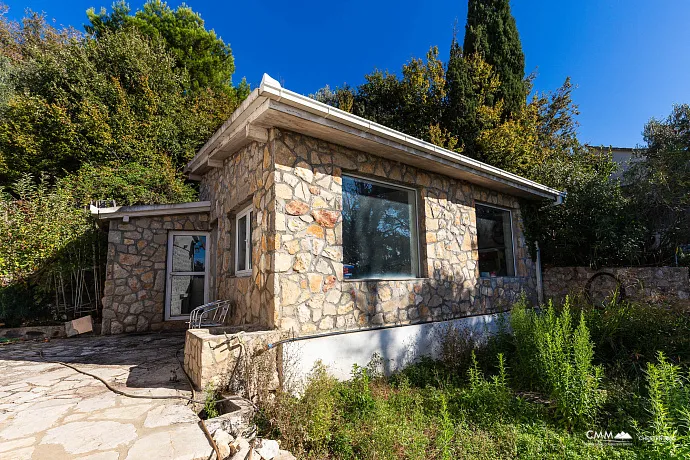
point(669, 408)
point(558, 357)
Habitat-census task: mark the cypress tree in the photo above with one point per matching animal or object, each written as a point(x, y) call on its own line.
point(491, 32)
point(460, 113)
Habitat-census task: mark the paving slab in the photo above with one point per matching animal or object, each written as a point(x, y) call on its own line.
point(50, 411)
point(186, 442)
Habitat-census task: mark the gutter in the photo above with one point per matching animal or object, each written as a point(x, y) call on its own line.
point(125, 212)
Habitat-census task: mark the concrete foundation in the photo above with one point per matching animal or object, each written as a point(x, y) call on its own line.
point(396, 346)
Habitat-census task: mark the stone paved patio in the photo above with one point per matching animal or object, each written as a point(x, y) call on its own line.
point(48, 411)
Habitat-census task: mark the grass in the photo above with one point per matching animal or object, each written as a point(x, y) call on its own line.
point(527, 393)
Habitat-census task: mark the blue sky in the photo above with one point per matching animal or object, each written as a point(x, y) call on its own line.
point(630, 59)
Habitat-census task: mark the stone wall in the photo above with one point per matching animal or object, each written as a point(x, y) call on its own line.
point(240, 363)
point(655, 283)
point(245, 178)
point(294, 184)
point(134, 289)
point(311, 294)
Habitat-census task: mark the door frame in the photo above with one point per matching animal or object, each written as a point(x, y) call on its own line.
point(169, 273)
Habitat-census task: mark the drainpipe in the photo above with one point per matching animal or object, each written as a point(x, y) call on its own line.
point(540, 284)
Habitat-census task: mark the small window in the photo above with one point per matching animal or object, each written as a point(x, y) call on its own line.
point(243, 242)
point(379, 230)
point(495, 242)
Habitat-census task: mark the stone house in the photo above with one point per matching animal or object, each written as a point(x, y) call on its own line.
point(313, 220)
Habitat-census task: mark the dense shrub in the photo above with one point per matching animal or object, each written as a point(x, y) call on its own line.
point(596, 224)
point(629, 334)
point(154, 181)
point(44, 234)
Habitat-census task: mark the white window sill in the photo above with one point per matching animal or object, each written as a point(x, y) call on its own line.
point(243, 274)
point(409, 278)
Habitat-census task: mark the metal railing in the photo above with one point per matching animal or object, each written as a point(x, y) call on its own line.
point(209, 315)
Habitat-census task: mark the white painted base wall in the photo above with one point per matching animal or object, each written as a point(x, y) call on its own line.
point(397, 346)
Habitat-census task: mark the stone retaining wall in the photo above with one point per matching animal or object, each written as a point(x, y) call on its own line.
point(134, 289)
point(639, 282)
point(249, 369)
point(33, 332)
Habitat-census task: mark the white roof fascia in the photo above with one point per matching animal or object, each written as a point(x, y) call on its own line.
point(249, 106)
point(255, 106)
point(118, 212)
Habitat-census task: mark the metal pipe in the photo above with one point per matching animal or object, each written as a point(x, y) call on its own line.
point(377, 328)
point(540, 281)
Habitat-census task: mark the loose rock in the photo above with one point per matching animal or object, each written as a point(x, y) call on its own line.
point(222, 440)
point(268, 449)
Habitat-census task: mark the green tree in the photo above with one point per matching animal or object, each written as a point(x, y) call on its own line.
point(206, 57)
point(659, 180)
point(595, 225)
point(460, 114)
point(412, 104)
point(76, 100)
point(491, 33)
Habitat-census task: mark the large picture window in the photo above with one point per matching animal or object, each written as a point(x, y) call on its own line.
point(379, 230)
point(495, 242)
point(243, 242)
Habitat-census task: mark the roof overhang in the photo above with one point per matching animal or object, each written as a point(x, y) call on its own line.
point(125, 212)
point(270, 105)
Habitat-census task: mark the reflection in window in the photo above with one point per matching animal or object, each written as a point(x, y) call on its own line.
point(189, 253)
point(379, 230)
point(495, 242)
point(243, 242)
point(187, 293)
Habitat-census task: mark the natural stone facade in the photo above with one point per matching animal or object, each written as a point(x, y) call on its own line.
point(245, 178)
point(311, 294)
point(294, 184)
point(638, 282)
point(134, 289)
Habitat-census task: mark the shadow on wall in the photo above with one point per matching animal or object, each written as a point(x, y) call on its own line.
point(440, 298)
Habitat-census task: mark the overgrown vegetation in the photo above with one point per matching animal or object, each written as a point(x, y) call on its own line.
point(533, 390)
point(210, 409)
point(111, 114)
point(44, 233)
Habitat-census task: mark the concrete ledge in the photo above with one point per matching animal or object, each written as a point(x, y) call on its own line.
point(396, 347)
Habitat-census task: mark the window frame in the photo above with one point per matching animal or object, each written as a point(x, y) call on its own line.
point(417, 265)
point(247, 212)
point(169, 273)
point(512, 238)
